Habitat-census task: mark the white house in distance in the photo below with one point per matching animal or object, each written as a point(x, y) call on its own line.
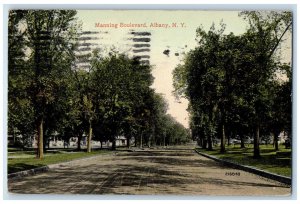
point(57, 142)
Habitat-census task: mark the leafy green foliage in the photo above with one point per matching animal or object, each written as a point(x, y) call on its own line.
point(230, 81)
point(40, 61)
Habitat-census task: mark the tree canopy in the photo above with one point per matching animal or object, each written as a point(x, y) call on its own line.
point(230, 81)
point(50, 93)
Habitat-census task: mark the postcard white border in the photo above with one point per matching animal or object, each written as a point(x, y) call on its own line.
point(222, 6)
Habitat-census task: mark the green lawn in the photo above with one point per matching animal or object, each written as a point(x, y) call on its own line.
point(26, 160)
point(276, 162)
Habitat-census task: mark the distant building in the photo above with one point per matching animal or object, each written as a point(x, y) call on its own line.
point(56, 141)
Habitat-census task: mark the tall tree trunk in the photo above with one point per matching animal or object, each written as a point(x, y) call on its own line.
point(128, 141)
point(89, 142)
point(204, 146)
point(223, 138)
point(256, 153)
point(141, 141)
point(40, 139)
point(228, 139)
point(101, 145)
point(200, 142)
point(209, 142)
point(149, 141)
point(153, 140)
point(242, 138)
point(79, 142)
point(113, 145)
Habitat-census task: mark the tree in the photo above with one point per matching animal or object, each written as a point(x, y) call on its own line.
point(228, 78)
point(280, 110)
point(48, 39)
point(204, 76)
point(266, 32)
point(121, 83)
point(20, 111)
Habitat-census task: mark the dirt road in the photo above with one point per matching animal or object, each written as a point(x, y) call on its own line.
point(155, 172)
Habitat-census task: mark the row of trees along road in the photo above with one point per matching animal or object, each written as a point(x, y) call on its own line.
point(48, 93)
point(232, 84)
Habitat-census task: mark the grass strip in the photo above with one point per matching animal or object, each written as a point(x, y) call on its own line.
point(278, 162)
point(21, 164)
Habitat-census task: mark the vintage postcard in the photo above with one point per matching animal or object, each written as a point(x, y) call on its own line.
point(150, 102)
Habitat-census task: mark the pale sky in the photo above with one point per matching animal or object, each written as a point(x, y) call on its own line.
point(177, 40)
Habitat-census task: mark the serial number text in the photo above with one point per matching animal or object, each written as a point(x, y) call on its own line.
point(232, 174)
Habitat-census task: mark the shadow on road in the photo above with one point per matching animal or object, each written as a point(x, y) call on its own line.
point(149, 172)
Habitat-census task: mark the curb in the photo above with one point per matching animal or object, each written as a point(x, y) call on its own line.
point(276, 177)
point(29, 172)
point(43, 169)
